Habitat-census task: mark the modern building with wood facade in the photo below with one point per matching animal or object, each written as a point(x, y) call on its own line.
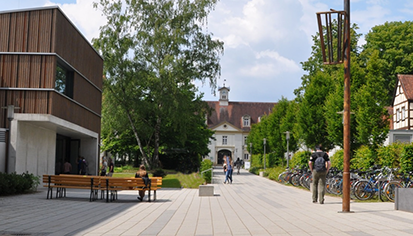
point(51, 78)
point(232, 122)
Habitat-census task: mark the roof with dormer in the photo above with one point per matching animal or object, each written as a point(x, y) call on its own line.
point(235, 111)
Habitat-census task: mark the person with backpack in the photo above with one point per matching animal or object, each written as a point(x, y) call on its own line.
point(319, 165)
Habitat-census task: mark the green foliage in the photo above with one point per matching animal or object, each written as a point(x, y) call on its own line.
point(16, 184)
point(363, 159)
point(255, 170)
point(300, 159)
point(337, 159)
point(406, 159)
point(390, 155)
point(274, 172)
point(153, 52)
point(257, 160)
point(393, 42)
point(205, 165)
point(158, 173)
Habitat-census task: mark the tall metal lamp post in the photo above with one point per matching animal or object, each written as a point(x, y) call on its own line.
point(288, 150)
point(342, 53)
point(250, 150)
point(265, 141)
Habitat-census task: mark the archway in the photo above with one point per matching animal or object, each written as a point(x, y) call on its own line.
point(221, 155)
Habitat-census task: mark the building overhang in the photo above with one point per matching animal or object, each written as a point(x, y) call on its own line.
point(56, 124)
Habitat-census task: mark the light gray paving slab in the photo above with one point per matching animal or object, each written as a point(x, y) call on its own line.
point(252, 205)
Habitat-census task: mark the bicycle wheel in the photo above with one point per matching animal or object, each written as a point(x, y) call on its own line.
point(363, 190)
point(281, 177)
point(295, 180)
point(390, 189)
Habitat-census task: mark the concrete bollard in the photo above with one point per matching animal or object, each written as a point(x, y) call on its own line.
point(206, 190)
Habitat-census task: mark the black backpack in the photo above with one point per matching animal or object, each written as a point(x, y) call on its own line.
point(320, 162)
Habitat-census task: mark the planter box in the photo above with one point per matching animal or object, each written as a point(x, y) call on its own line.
point(206, 190)
point(404, 199)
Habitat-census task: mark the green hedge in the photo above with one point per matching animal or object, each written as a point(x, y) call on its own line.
point(16, 184)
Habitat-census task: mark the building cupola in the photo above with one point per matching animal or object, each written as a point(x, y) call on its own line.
point(223, 95)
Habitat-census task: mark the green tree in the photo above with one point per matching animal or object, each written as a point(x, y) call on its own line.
point(371, 113)
point(153, 51)
point(311, 115)
point(392, 41)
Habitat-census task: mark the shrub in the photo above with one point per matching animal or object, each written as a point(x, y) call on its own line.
point(390, 155)
point(158, 173)
point(273, 173)
point(255, 170)
point(363, 159)
point(16, 184)
point(406, 157)
point(300, 159)
point(337, 159)
point(205, 165)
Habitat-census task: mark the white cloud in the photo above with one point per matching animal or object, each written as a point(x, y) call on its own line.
point(269, 64)
point(84, 16)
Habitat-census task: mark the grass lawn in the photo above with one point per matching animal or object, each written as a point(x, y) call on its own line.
point(177, 180)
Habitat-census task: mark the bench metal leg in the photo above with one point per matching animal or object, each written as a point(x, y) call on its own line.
point(149, 195)
point(49, 193)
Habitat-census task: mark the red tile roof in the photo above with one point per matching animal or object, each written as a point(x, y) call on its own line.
point(235, 111)
point(407, 84)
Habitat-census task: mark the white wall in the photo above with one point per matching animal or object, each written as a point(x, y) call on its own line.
point(89, 150)
point(35, 150)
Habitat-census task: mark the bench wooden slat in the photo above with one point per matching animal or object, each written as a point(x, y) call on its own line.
point(96, 183)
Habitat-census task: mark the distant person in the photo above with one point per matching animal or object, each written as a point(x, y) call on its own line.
point(228, 173)
point(238, 164)
point(141, 173)
point(83, 168)
point(67, 167)
point(103, 167)
point(111, 167)
point(319, 165)
point(79, 165)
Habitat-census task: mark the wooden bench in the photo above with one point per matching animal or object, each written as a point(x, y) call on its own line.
point(113, 185)
point(62, 182)
point(95, 183)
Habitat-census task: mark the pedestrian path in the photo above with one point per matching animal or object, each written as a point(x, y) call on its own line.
point(251, 205)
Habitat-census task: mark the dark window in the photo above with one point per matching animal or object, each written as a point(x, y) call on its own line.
point(64, 81)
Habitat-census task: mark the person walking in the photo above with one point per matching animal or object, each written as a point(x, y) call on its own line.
point(319, 165)
point(238, 164)
point(228, 173)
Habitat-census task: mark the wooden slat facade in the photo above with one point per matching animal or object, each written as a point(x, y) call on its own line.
point(32, 43)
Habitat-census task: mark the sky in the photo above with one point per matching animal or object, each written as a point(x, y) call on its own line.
point(265, 41)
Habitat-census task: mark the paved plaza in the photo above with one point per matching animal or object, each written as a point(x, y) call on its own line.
point(252, 205)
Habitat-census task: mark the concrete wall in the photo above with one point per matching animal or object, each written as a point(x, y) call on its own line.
point(403, 199)
point(33, 144)
point(34, 151)
point(89, 150)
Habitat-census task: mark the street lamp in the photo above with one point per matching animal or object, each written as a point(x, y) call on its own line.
point(288, 151)
point(343, 42)
point(265, 141)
